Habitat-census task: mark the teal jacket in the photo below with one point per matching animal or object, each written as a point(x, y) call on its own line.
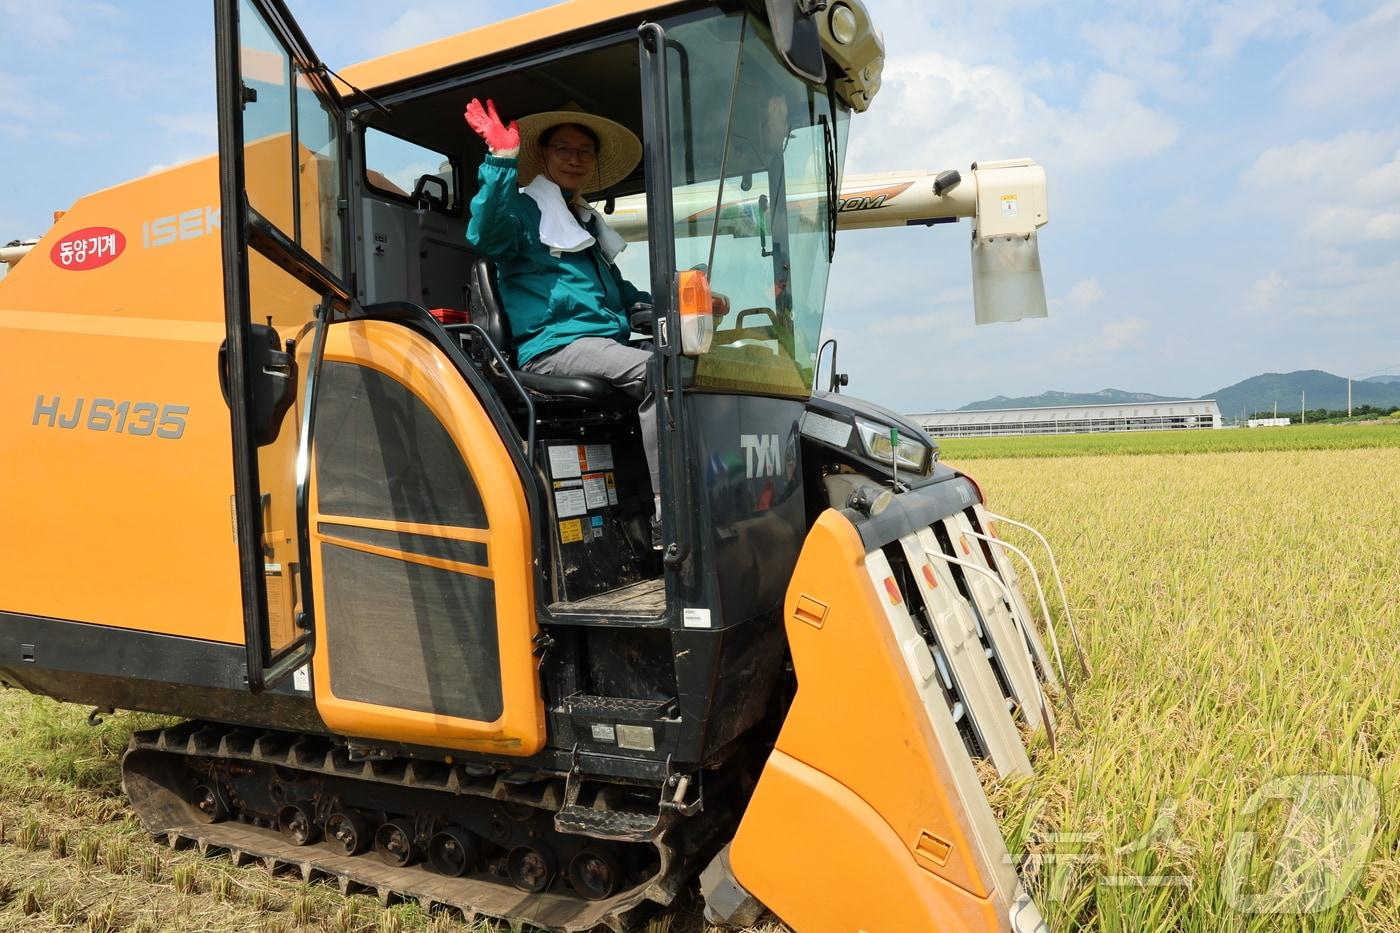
point(550, 300)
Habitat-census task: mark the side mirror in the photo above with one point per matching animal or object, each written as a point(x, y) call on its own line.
point(798, 39)
point(424, 200)
point(274, 381)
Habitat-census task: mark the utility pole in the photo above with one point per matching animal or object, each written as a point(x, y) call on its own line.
point(1348, 396)
point(1275, 409)
point(1305, 406)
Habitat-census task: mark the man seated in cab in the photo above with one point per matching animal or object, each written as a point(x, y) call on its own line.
point(565, 298)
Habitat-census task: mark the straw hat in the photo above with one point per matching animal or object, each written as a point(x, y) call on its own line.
point(619, 149)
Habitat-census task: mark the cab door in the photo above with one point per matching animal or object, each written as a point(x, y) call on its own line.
point(282, 166)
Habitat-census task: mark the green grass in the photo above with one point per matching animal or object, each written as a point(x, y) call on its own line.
point(1293, 437)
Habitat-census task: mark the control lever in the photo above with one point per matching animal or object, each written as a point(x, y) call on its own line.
point(639, 316)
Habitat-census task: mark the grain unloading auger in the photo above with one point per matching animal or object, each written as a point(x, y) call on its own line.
point(415, 620)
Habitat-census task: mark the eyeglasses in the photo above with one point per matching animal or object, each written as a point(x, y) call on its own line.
point(566, 152)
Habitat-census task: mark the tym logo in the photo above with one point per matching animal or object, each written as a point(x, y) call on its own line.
point(762, 453)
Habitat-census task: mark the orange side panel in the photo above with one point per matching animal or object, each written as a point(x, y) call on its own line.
point(834, 864)
point(520, 730)
point(121, 527)
point(857, 731)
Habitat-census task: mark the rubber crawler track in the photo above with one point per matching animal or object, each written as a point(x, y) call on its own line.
point(153, 769)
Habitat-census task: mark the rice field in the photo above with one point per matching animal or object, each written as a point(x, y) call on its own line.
point(1235, 769)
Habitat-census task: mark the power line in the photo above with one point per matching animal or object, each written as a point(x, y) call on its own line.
point(1387, 369)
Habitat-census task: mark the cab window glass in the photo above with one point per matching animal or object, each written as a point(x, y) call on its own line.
point(291, 145)
point(267, 120)
point(394, 166)
point(318, 168)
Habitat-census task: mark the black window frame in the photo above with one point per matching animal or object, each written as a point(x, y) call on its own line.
point(458, 210)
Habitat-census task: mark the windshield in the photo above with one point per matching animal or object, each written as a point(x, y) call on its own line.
point(750, 144)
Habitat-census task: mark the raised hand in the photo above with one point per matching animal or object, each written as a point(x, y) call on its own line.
point(487, 124)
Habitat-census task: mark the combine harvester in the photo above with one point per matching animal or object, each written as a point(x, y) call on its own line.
point(405, 593)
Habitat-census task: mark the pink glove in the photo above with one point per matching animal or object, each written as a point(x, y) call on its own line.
point(486, 124)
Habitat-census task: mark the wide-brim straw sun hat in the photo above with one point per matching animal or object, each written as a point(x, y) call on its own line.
point(619, 149)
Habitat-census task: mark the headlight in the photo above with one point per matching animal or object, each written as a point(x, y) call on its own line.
point(908, 453)
point(844, 26)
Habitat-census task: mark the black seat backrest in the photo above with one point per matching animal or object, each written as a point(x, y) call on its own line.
point(485, 305)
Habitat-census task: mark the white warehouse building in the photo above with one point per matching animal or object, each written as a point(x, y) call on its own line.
point(1072, 419)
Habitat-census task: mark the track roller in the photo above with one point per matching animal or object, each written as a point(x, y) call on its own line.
point(595, 873)
point(297, 824)
point(394, 843)
point(453, 852)
point(209, 804)
point(532, 867)
point(348, 832)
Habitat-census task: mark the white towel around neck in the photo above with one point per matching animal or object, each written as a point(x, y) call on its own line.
point(562, 230)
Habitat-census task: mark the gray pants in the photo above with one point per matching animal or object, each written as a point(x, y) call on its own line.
point(619, 364)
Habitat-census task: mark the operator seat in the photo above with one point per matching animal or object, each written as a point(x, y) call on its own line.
point(486, 310)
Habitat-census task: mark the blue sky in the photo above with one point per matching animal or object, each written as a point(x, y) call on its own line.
point(1224, 177)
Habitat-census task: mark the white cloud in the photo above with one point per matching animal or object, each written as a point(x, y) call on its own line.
point(1174, 49)
point(1350, 182)
point(1111, 125)
point(1234, 24)
point(36, 22)
point(1311, 162)
point(1340, 197)
point(1264, 293)
point(1137, 49)
point(1336, 285)
point(1382, 182)
point(412, 27)
point(1353, 66)
point(950, 326)
point(1117, 335)
point(425, 21)
point(1112, 338)
point(52, 22)
point(1085, 293)
point(16, 100)
point(936, 111)
point(200, 127)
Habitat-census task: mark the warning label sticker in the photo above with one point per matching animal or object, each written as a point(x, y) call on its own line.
point(563, 462)
point(569, 502)
point(595, 490)
point(1009, 205)
point(597, 456)
point(570, 531)
point(612, 489)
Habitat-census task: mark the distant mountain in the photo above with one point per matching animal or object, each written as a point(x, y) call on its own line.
point(1047, 399)
point(1324, 390)
point(1257, 393)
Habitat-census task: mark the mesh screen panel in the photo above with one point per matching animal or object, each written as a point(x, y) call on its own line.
point(411, 637)
point(380, 453)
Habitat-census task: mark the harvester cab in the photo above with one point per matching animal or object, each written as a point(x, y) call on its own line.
point(451, 639)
